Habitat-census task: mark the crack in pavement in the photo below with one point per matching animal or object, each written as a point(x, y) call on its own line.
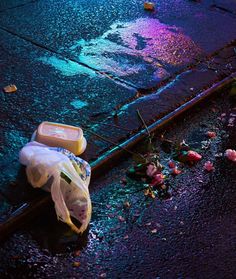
point(225, 10)
point(18, 6)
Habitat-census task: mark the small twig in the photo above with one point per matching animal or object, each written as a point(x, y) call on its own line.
point(113, 125)
point(113, 143)
point(141, 118)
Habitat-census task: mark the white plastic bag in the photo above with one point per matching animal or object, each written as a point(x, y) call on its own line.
point(66, 176)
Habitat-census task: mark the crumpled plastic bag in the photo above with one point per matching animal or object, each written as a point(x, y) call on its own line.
point(66, 176)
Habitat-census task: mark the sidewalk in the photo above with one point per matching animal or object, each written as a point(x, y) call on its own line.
point(91, 64)
point(82, 63)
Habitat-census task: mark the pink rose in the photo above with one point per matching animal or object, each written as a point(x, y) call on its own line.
point(208, 166)
point(211, 135)
point(158, 179)
point(230, 154)
point(193, 156)
point(151, 170)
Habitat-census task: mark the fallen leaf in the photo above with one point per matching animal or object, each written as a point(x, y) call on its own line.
point(10, 88)
point(149, 6)
point(76, 264)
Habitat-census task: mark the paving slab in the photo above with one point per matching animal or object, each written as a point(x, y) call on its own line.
point(48, 90)
point(121, 38)
point(12, 4)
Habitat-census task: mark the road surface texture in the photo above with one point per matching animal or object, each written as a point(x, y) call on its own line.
point(94, 64)
point(192, 234)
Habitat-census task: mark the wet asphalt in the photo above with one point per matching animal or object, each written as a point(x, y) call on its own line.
point(191, 234)
point(79, 62)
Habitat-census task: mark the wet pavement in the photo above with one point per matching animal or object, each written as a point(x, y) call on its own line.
point(120, 38)
point(189, 235)
point(95, 64)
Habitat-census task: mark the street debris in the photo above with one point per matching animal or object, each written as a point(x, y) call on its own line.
point(69, 186)
point(193, 156)
point(208, 166)
point(230, 154)
point(211, 134)
point(149, 6)
point(61, 135)
point(175, 171)
point(76, 264)
point(121, 219)
point(127, 204)
point(10, 88)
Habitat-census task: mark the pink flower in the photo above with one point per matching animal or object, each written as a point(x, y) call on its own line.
point(151, 170)
point(158, 179)
point(171, 164)
point(211, 135)
point(175, 171)
point(193, 156)
point(230, 154)
point(208, 166)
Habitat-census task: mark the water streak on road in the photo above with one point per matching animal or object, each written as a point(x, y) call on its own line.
point(147, 40)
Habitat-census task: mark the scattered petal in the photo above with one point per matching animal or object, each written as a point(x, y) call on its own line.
point(193, 156)
point(171, 164)
point(103, 275)
point(127, 204)
point(175, 171)
point(211, 134)
point(230, 154)
point(122, 219)
point(208, 166)
point(151, 170)
point(217, 155)
point(154, 231)
point(158, 179)
point(76, 264)
point(148, 224)
point(77, 253)
point(163, 187)
point(126, 237)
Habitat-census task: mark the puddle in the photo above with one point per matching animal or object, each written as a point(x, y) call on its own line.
point(130, 47)
point(66, 67)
